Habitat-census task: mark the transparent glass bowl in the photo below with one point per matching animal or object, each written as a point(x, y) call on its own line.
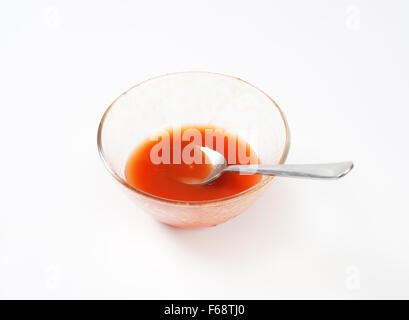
point(192, 98)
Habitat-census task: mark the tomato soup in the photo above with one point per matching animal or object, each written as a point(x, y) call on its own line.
point(162, 164)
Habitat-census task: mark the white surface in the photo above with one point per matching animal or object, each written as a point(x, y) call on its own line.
point(66, 229)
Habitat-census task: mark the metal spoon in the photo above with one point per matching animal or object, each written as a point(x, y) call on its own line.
point(313, 171)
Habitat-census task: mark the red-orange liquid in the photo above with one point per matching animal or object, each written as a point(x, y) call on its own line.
point(167, 180)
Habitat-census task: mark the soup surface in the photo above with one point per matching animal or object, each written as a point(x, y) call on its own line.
point(162, 164)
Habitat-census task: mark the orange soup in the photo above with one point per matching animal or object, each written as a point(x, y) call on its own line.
point(162, 165)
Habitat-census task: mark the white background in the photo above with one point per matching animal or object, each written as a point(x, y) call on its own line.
point(340, 72)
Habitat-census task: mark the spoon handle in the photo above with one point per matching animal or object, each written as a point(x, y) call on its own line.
point(313, 171)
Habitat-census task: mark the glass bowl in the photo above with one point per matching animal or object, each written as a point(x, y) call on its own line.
point(192, 98)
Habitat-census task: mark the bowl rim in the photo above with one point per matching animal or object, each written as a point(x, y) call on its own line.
point(263, 183)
